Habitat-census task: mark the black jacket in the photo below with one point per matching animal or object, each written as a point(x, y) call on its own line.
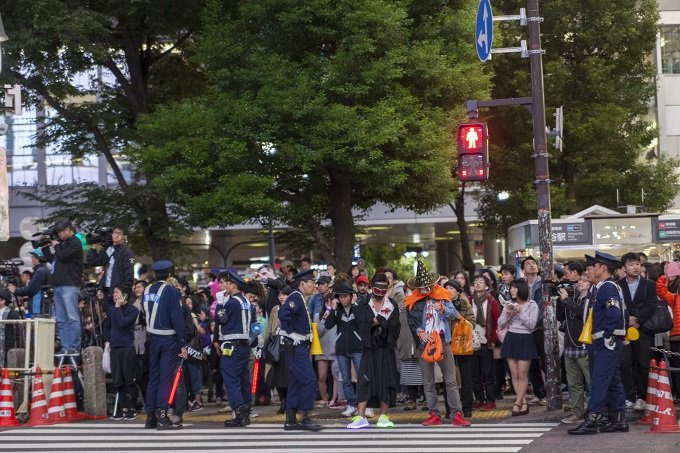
point(347, 338)
point(40, 277)
point(644, 303)
point(67, 262)
point(570, 312)
point(123, 264)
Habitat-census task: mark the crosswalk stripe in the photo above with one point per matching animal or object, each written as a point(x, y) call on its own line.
point(120, 437)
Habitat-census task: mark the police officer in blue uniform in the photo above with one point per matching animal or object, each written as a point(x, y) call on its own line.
point(165, 324)
point(604, 354)
point(235, 317)
point(296, 339)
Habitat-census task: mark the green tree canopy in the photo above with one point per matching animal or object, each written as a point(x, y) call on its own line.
point(317, 108)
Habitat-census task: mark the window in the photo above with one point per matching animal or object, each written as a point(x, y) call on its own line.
point(670, 49)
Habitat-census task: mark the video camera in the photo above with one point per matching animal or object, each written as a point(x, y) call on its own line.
point(9, 271)
point(100, 235)
point(45, 237)
point(569, 287)
point(88, 291)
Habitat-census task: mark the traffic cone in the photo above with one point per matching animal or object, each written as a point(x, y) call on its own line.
point(38, 402)
point(653, 376)
point(664, 419)
point(7, 414)
point(55, 411)
point(70, 405)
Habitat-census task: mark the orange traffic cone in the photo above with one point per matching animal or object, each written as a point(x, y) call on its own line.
point(648, 419)
point(38, 402)
point(56, 412)
point(664, 419)
point(7, 414)
point(70, 405)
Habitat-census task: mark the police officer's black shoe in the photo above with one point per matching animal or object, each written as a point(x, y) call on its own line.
point(151, 421)
point(618, 423)
point(306, 424)
point(239, 420)
point(291, 420)
point(245, 413)
point(588, 426)
point(164, 422)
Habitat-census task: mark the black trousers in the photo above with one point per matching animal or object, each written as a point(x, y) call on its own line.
point(535, 375)
point(635, 366)
point(483, 375)
point(464, 363)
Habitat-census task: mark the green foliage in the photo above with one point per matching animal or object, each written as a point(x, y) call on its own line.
point(598, 66)
point(308, 94)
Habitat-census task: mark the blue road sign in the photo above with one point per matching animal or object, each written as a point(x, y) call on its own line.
point(484, 30)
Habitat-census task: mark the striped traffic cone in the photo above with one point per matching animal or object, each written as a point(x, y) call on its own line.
point(70, 405)
point(648, 419)
point(664, 418)
point(55, 411)
point(38, 402)
point(7, 413)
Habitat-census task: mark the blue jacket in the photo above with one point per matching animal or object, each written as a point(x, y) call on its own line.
point(40, 277)
point(122, 325)
point(234, 318)
point(416, 319)
point(164, 314)
point(609, 313)
point(293, 315)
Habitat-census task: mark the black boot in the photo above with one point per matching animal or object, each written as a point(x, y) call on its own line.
point(164, 422)
point(589, 425)
point(151, 421)
point(238, 421)
point(245, 414)
point(291, 420)
point(306, 424)
point(618, 423)
point(282, 408)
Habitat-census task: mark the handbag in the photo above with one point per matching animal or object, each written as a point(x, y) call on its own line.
point(271, 351)
point(461, 338)
point(434, 349)
point(660, 321)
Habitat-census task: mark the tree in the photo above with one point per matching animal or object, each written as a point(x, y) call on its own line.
point(597, 66)
point(99, 66)
point(319, 109)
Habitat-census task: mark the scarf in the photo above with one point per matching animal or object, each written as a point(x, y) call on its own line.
point(438, 293)
point(480, 317)
point(385, 311)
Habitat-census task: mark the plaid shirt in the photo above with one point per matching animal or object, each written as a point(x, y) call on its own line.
point(571, 352)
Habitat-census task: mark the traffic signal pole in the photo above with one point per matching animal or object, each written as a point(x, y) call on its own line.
point(536, 105)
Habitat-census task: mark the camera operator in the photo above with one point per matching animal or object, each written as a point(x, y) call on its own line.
point(66, 255)
point(118, 262)
point(32, 289)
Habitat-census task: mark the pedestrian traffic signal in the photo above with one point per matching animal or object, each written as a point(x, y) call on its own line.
point(473, 161)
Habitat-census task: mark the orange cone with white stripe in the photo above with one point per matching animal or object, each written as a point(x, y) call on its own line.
point(652, 377)
point(7, 414)
point(38, 402)
point(70, 405)
point(56, 412)
point(664, 418)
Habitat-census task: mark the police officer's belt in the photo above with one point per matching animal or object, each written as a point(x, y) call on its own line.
point(296, 336)
point(617, 333)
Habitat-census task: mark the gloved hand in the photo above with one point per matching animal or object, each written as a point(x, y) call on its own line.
point(296, 341)
point(222, 316)
point(610, 343)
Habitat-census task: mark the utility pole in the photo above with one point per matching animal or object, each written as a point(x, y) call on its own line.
point(536, 105)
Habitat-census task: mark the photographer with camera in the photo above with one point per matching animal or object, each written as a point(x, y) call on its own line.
point(117, 259)
point(32, 289)
point(66, 255)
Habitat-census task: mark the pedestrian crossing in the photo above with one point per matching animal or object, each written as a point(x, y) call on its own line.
point(126, 437)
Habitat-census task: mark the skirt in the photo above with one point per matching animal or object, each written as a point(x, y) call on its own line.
point(410, 373)
point(519, 346)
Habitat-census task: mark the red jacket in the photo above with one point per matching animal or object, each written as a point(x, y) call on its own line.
point(673, 301)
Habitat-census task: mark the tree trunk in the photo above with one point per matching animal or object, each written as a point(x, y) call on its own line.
point(570, 181)
point(459, 211)
point(342, 218)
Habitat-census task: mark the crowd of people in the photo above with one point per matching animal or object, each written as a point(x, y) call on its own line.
point(364, 345)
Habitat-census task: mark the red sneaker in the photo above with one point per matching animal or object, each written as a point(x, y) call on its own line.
point(337, 404)
point(459, 420)
point(433, 420)
point(489, 406)
point(477, 404)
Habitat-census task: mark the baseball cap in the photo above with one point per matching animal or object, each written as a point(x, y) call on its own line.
point(362, 279)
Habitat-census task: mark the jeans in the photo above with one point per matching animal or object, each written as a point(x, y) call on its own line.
point(345, 362)
point(68, 316)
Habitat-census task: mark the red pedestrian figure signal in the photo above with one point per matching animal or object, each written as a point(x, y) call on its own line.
point(473, 161)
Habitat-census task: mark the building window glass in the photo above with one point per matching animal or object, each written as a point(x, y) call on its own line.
point(22, 163)
point(670, 49)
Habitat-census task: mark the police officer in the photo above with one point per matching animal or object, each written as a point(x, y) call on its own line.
point(604, 354)
point(165, 323)
point(235, 315)
point(296, 337)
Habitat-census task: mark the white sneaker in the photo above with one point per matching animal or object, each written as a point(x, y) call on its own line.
point(640, 405)
point(358, 422)
point(369, 413)
point(350, 411)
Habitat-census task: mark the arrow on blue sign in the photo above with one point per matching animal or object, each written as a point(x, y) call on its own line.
point(484, 30)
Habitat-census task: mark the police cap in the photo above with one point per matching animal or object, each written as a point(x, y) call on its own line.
point(607, 259)
point(234, 277)
point(304, 276)
point(162, 265)
point(590, 260)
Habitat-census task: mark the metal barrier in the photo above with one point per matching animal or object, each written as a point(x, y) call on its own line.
point(38, 350)
point(665, 353)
